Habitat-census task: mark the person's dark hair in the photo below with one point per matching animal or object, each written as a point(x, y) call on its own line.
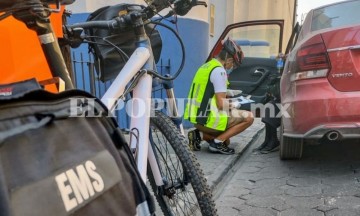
point(222, 54)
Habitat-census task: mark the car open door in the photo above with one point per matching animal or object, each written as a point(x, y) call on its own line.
point(261, 42)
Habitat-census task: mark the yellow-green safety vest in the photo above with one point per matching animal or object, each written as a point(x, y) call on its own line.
point(198, 109)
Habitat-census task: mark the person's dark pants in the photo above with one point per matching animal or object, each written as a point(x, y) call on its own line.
point(272, 122)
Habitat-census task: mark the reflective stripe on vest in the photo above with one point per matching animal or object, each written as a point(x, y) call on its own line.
point(201, 107)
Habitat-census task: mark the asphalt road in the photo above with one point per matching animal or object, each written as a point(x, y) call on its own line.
point(325, 182)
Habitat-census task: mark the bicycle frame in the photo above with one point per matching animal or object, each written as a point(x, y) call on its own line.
point(141, 59)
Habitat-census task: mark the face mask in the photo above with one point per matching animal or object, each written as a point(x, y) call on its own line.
point(228, 71)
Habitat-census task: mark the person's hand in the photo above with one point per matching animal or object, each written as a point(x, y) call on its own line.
point(235, 105)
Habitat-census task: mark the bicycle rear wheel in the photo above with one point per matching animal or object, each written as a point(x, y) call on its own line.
point(185, 190)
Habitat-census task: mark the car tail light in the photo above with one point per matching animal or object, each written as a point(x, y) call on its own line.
point(312, 59)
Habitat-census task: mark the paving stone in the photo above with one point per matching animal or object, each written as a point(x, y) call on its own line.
point(304, 191)
point(340, 180)
point(344, 202)
point(270, 182)
point(304, 173)
point(301, 212)
point(246, 210)
point(343, 212)
point(247, 169)
point(274, 174)
point(303, 202)
point(265, 202)
point(267, 191)
point(340, 190)
point(281, 207)
point(286, 187)
point(230, 201)
point(226, 211)
point(302, 181)
point(326, 181)
point(235, 190)
point(247, 184)
point(336, 172)
point(326, 208)
point(256, 164)
point(337, 165)
point(253, 177)
point(306, 165)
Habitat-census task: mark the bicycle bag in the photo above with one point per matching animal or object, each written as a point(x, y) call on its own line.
point(7, 4)
point(61, 154)
point(109, 60)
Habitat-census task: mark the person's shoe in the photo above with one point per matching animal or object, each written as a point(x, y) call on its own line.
point(273, 143)
point(271, 147)
point(220, 148)
point(194, 140)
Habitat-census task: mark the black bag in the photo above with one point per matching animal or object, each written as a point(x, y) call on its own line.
point(7, 4)
point(53, 163)
point(108, 60)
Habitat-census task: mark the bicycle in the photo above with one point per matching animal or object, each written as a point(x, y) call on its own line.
point(174, 174)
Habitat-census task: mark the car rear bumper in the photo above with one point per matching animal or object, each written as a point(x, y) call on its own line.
point(331, 132)
point(317, 108)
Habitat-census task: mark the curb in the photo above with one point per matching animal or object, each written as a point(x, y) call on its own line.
point(215, 179)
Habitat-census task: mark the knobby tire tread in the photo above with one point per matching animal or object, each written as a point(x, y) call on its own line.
point(189, 162)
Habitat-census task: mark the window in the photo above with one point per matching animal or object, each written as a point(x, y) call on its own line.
point(212, 20)
point(346, 13)
point(259, 41)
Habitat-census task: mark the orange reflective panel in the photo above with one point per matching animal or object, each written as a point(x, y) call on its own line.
point(21, 56)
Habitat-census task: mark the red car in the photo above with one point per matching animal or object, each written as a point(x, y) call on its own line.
point(320, 85)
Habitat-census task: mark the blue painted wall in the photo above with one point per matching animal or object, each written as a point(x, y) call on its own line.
point(194, 34)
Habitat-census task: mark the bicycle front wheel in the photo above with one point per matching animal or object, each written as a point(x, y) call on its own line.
point(185, 190)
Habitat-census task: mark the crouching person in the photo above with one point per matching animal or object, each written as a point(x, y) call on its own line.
point(216, 119)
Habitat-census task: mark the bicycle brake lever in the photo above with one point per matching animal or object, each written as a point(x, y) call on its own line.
point(73, 37)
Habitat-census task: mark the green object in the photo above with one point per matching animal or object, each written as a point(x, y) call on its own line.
point(201, 107)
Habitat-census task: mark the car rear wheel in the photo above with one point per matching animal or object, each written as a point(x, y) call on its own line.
point(290, 148)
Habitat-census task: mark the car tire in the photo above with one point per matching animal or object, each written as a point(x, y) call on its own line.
point(290, 148)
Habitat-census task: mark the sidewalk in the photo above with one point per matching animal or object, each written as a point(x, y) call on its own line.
point(216, 166)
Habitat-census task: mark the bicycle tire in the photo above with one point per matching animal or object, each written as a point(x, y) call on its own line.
point(192, 180)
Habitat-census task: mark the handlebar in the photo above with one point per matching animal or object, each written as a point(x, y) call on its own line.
point(104, 24)
point(181, 7)
point(136, 17)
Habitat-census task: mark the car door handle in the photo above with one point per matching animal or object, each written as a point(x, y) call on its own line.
point(259, 71)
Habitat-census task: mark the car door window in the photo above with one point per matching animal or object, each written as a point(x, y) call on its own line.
point(259, 41)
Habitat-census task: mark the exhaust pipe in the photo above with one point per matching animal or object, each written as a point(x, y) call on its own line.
point(333, 135)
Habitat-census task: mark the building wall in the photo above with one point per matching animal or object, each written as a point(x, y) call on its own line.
point(246, 10)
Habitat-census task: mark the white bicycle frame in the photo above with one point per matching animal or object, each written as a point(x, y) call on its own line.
point(140, 59)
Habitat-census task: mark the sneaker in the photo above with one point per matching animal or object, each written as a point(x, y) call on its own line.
point(273, 146)
point(220, 148)
point(194, 140)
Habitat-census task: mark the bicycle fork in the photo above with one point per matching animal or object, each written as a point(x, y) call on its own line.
point(172, 107)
